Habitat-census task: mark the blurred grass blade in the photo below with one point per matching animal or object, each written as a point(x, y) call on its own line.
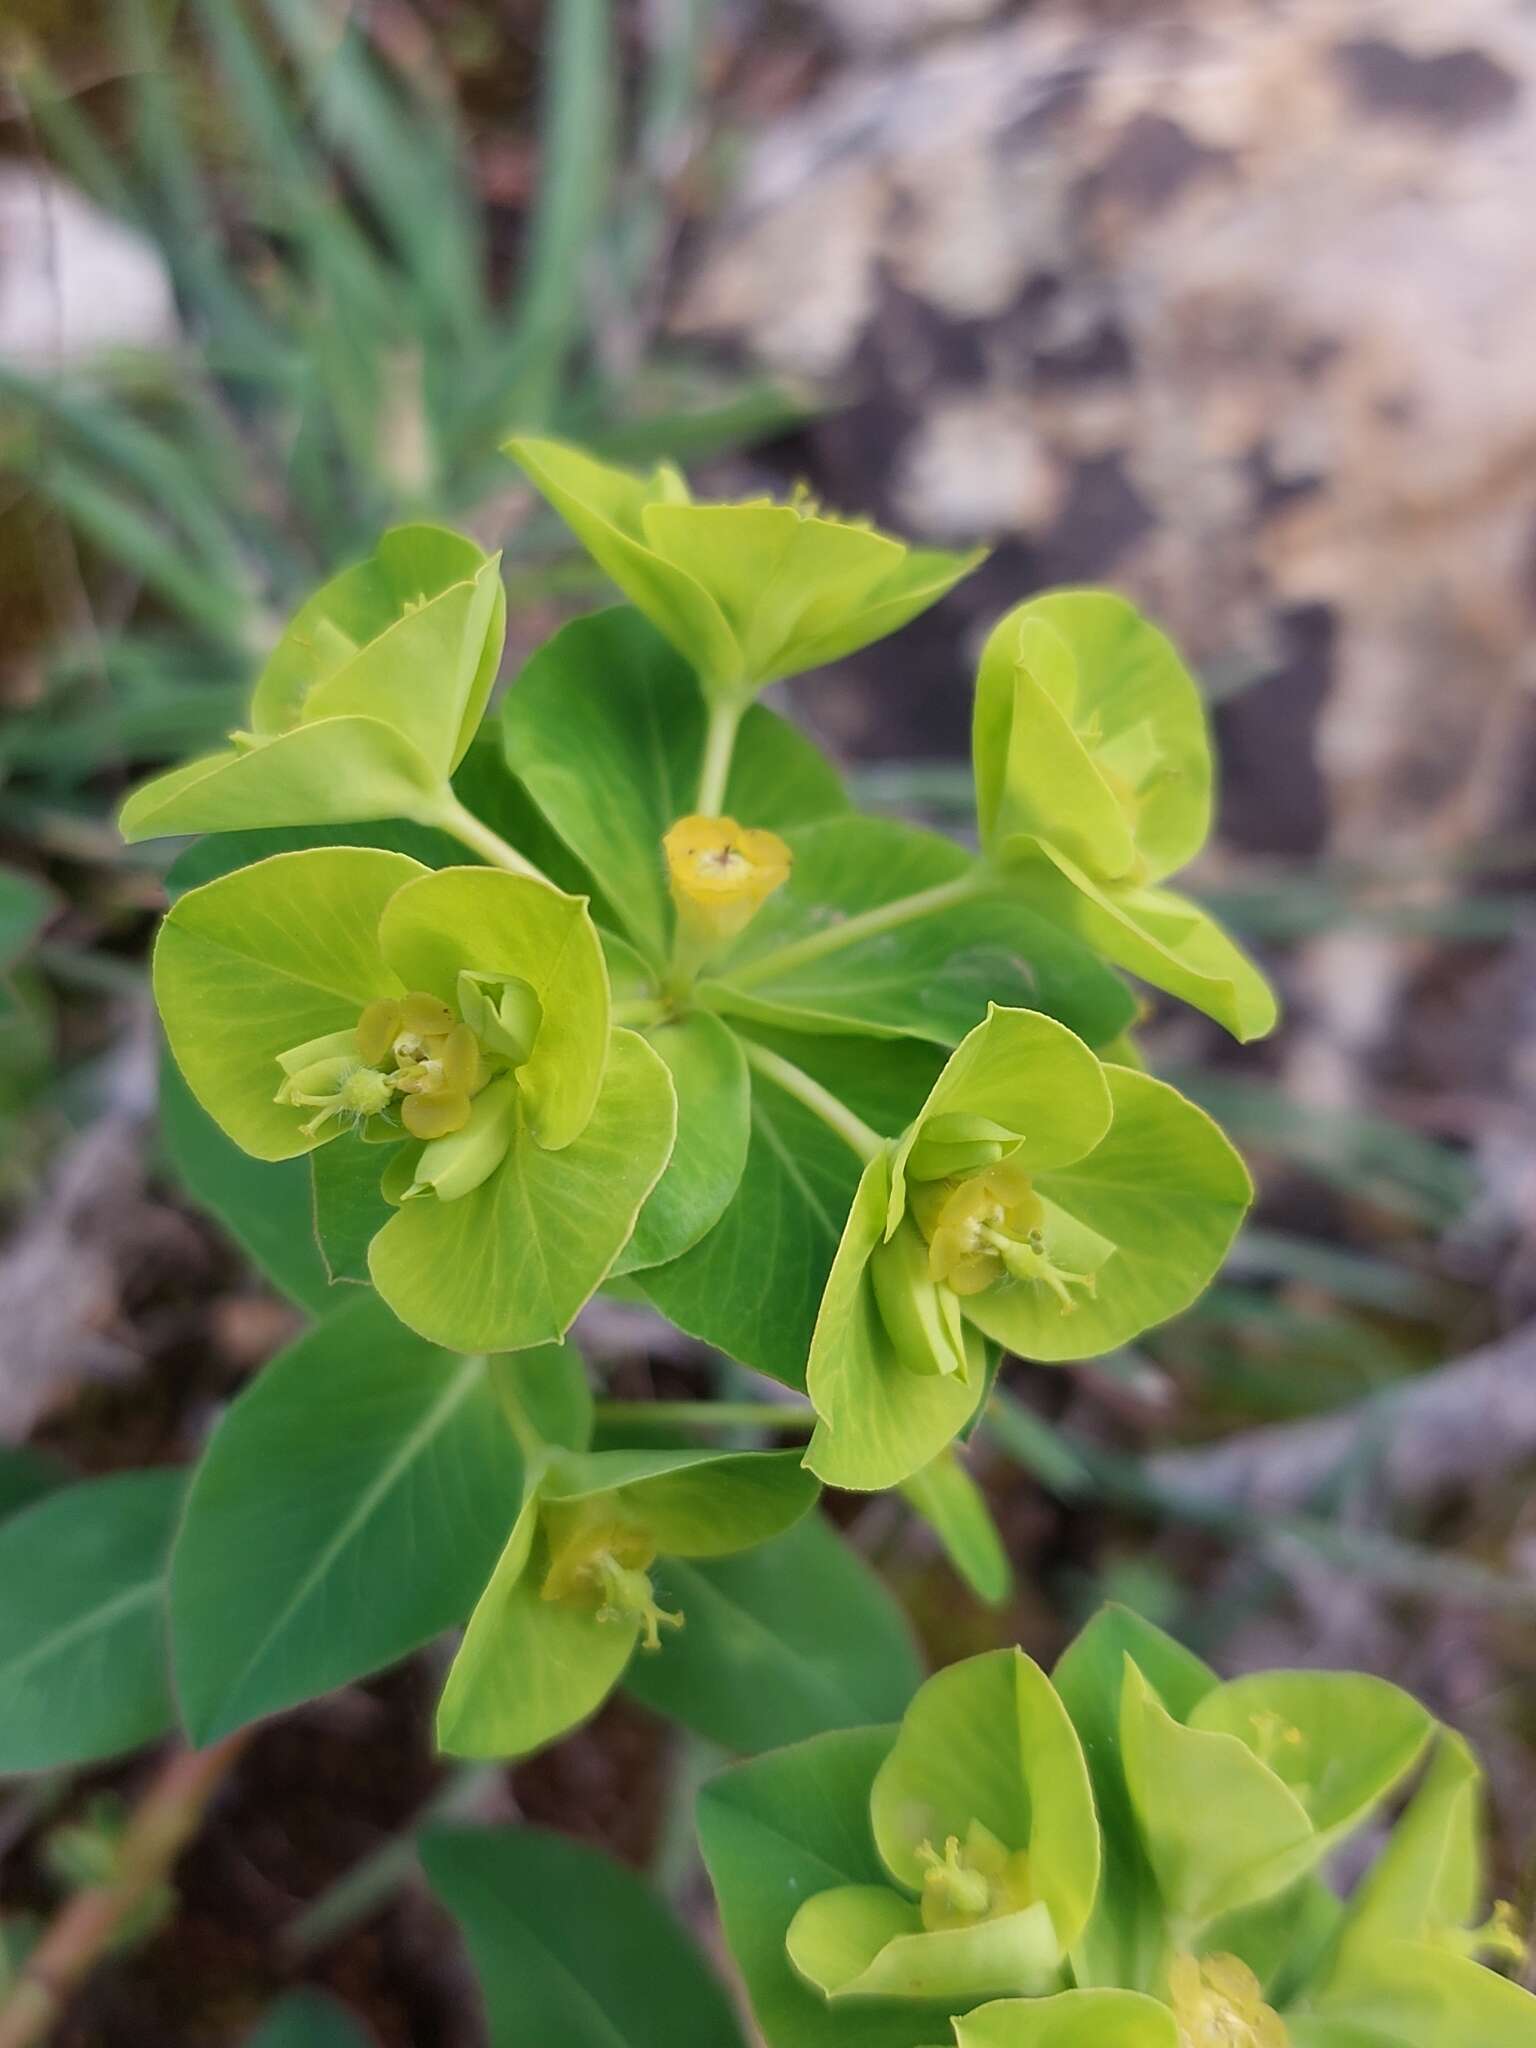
point(407, 161)
point(575, 180)
point(125, 531)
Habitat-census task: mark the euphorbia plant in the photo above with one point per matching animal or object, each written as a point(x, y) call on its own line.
point(854, 1105)
point(1131, 1855)
point(841, 1099)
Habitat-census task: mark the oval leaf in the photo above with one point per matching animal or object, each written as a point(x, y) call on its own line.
point(349, 1508)
point(571, 1948)
point(83, 1666)
point(785, 1641)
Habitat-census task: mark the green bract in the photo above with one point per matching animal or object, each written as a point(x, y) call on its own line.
point(572, 1596)
point(1093, 783)
point(748, 593)
point(1040, 1199)
point(983, 1817)
point(1139, 1865)
point(366, 706)
point(455, 1027)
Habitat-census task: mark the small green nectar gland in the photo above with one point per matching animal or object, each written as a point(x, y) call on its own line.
point(599, 1560)
point(989, 1228)
point(1219, 2003)
point(978, 1880)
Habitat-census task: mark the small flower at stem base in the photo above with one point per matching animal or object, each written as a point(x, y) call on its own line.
point(978, 1880)
point(721, 874)
point(596, 1555)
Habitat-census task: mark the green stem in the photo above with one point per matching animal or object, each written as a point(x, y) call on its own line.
point(795, 1415)
point(719, 745)
point(837, 1116)
point(869, 924)
point(451, 816)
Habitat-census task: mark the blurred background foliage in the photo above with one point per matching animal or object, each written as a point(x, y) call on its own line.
point(295, 270)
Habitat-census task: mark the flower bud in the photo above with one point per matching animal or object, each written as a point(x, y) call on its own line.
point(721, 875)
point(953, 1143)
point(455, 1165)
point(921, 1319)
point(502, 1011)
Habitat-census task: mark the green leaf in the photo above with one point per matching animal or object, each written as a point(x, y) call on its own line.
point(348, 1509)
point(692, 1503)
point(602, 506)
point(531, 1667)
point(570, 1947)
point(1427, 1880)
point(256, 1200)
point(263, 960)
point(344, 729)
point(714, 1126)
point(776, 1832)
point(221, 853)
point(866, 1941)
point(546, 1390)
point(1167, 1190)
point(1413, 1996)
point(336, 771)
point(1338, 1739)
point(426, 603)
point(513, 1262)
point(879, 1419)
point(1158, 935)
point(752, 1286)
point(528, 1669)
point(1090, 735)
point(498, 923)
point(748, 593)
point(1030, 1075)
point(932, 977)
point(348, 1205)
point(989, 1741)
point(605, 727)
point(83, 1667)
point(447, 638)
point(1124, 1941)
point(1221, 1830)
point(955, 1508)
point(1073, 2019)
point(306, 2019)
point(782, 1642)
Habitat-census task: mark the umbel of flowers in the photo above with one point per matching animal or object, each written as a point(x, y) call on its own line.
point(516, 1092)
point(1131, 1854)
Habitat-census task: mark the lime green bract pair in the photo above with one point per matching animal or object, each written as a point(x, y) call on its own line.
point(1129, 1855)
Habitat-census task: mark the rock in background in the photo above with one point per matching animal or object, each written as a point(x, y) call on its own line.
point(1230, 304)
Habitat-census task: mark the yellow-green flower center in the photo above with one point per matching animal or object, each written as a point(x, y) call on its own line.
point(1219, 2003)
point(411, 1051)
point(599, 1560)
point(988, 1228)
point(979, 1879)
